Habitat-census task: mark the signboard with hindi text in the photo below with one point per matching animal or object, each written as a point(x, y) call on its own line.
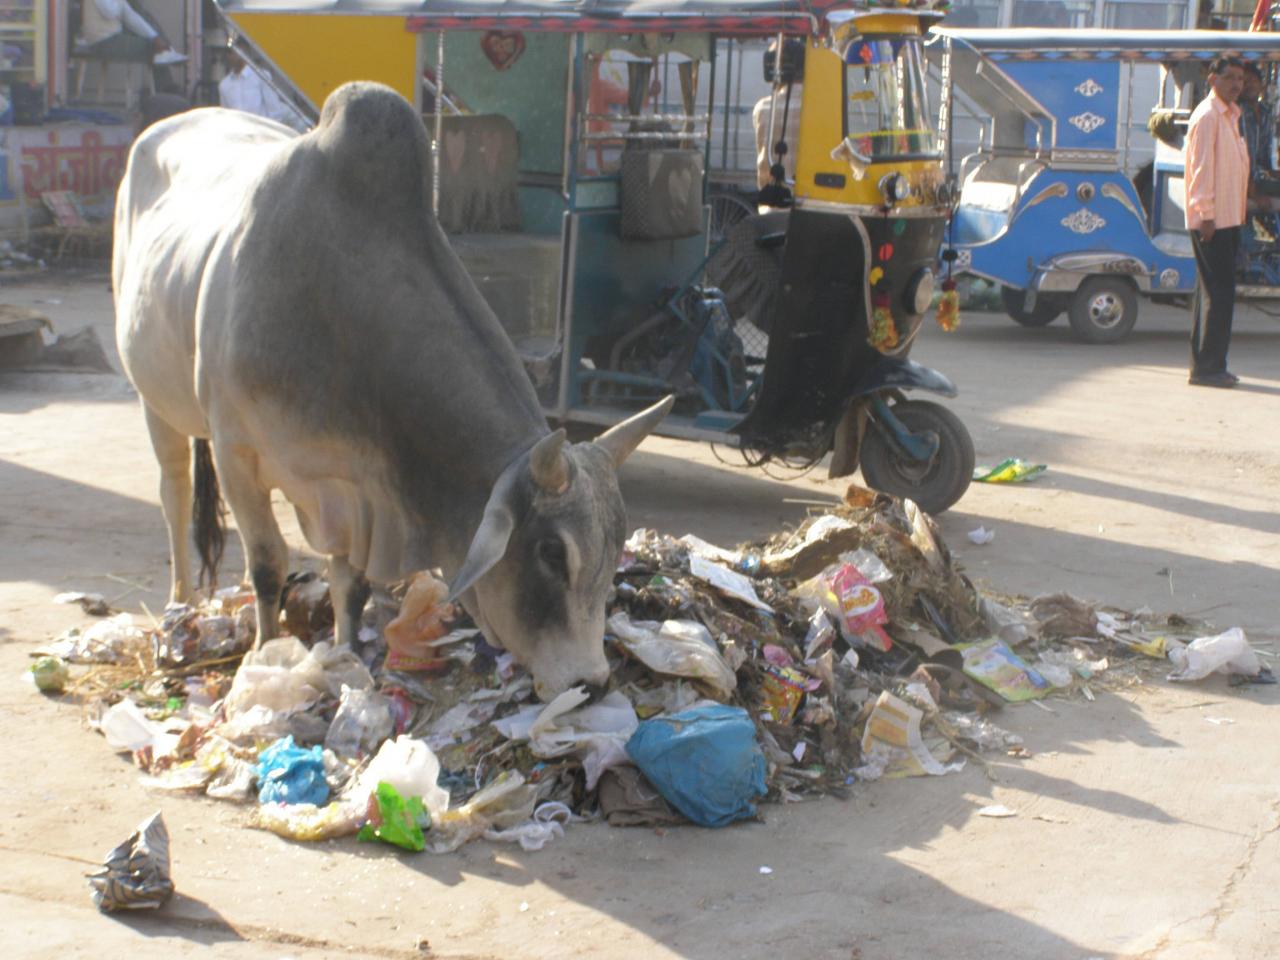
point(85, 160)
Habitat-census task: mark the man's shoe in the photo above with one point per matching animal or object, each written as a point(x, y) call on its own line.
point(1221, 380)
point(166, 57)
point(1231, 376)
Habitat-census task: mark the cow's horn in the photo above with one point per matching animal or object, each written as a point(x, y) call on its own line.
point(626, 436)
point(548, 464)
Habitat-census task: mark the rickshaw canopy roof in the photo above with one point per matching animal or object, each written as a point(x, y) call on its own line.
point(1153, 46)
point(731, 17)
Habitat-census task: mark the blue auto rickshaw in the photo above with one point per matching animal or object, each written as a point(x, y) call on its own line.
point(1048, 207)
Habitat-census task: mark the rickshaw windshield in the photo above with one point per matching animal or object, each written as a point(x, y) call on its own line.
point(886, 110)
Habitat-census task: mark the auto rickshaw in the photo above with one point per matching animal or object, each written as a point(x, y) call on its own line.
point(572, 144)
point(1062, 201)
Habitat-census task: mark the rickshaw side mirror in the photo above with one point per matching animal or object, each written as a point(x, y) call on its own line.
point(792, 69)
point(848, 151)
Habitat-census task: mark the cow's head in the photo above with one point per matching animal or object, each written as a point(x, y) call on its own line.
point(539, 568)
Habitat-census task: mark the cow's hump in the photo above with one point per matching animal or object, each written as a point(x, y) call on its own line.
point(374, 140)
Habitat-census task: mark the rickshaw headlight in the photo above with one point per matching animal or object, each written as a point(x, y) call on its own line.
point(920, 292)
point(894, 188)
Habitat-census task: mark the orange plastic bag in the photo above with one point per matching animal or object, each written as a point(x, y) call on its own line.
point(423, 616)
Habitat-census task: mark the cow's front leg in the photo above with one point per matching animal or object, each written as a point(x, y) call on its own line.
point(173, 452)
point(265, 552)
point(349, 591)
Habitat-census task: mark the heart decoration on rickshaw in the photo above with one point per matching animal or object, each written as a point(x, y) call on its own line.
point(502, 47)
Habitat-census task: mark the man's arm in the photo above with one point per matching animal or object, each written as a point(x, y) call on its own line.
point(1201, 137)
point(133, 22)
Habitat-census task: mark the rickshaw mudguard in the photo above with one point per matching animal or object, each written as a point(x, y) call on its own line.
point(899, 373)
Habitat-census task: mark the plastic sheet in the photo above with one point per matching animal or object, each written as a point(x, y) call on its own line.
point(704, 761)
point(126, 727)
point(363, 721)
point(1228, 652)
point(597, 733)
point(104, 642)
point(679, 648)
point(502, 804)
point(268, 678)
point(547, 825)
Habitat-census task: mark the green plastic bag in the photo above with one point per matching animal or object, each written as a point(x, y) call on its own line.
point(1013, 470)
point(394, 819)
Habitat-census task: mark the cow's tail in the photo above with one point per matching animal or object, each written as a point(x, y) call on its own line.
point(207, 515)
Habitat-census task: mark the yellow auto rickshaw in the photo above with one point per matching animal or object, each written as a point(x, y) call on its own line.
point(586, 157)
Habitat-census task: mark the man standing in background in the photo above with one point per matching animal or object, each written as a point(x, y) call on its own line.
point(243, 89)
point(1217, 183)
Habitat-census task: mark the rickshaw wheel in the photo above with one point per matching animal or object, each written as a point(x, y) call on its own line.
point(726, 210)
point(1104, 310)
point(1046, 310)
point(935, 485)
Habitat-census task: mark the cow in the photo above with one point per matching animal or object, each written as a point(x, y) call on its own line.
point(288, 307)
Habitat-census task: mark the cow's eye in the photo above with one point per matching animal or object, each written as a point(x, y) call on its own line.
point(552, 554)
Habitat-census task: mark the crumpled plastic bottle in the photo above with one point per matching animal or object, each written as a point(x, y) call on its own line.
point(363, 721)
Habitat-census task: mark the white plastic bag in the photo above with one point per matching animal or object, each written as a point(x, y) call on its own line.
point(126, 728)
point(679, 648)
point(598, 733)
point(411, 767)
point(268, 678)
point(1228, 652)
point(329, 669)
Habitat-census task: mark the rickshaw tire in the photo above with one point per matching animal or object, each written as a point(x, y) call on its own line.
point(1047, 308)
point(944, 481)
point(1093, 298)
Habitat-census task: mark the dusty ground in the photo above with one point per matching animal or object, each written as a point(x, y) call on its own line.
point(1159, 834)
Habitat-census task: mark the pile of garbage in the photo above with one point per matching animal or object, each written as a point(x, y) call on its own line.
point(849, 649)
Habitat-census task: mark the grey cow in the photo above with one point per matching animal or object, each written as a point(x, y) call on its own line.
point(291, 303)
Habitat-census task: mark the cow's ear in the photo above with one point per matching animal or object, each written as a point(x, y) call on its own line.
point(490, 541)
point(619, 441)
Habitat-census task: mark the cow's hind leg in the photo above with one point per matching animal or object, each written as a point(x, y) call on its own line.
point(173, 452)
point(265, 552)
point(349, 591)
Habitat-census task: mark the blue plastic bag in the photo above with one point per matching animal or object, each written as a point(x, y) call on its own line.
point(289, 774)
point(704, 761)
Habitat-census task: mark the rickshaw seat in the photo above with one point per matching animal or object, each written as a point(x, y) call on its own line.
point(479, 171)
point(517, 273)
